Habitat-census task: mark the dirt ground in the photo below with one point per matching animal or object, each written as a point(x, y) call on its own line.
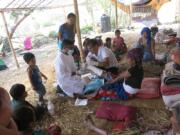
point(152, 113)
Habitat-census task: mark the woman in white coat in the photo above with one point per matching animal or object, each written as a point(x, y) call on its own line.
point(65, 70)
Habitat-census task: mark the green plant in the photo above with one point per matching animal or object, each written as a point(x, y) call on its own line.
point(47, 24)
point(52, 34)
point(86, 29)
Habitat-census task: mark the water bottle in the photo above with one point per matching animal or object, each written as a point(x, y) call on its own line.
point(51, 107)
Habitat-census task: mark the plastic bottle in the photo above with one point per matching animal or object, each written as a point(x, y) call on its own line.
point(51, 107)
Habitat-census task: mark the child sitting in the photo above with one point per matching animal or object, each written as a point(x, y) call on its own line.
point(172, 69)
point(35, 75)
point(7, 125)
point(171, 80)
point(130, 80)
point(119, 47)
point(76, 55)
point(19, 95)
point(25, 118)
point(108, 42)
point(85, 47)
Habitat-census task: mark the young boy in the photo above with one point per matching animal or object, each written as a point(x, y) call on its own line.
point(108, 42)
point(35, 76)
point(7, 125)
point(119, 47)
point(19, 94)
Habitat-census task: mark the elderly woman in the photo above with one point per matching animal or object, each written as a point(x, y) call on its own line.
point(147, 43)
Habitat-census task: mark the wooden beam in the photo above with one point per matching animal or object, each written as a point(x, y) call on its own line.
point(25, 8)
point(9, 40)
point(78, 29)
point(116, 14)
point(130, 13)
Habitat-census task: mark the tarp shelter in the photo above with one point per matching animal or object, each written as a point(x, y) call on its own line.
point(125, 4)
point(138, 6)
point(30, 6)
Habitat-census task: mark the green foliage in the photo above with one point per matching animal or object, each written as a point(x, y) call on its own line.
point(39, 40)
point(52, 34)
point(47, 24)
point(86, 29)
point(105, 5)
point(15, 14)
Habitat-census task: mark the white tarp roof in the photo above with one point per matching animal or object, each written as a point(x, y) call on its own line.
point(9, 5)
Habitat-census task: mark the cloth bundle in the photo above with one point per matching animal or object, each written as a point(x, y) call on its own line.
point(171, 76)
point(122, 116)
point(93, 86)
point(116, 112)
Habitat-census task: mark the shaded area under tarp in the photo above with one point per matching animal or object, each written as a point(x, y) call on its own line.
point(2, 65)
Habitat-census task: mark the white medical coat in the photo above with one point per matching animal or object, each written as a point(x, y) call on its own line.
point(64, 67)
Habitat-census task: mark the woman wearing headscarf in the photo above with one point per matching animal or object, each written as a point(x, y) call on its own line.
point(147, 43)
point(127, 83)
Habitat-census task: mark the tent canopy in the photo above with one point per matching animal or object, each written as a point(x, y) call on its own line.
point(125, 4)
point(10, 5)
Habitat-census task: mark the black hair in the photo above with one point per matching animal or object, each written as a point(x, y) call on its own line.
point(71, 15)
point(28, 57)
point(108, 39)
point(23, 117)
point(117, 31)
point(177, 111)
point(85, 41)
point(67, 42)
point(92, 42)
point(17, 91)
point(136, 54)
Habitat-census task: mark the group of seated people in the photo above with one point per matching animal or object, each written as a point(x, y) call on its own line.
point(103, 56)
point(20, 116)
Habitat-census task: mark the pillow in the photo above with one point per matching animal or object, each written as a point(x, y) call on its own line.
point(116, 112)
point(150, 88)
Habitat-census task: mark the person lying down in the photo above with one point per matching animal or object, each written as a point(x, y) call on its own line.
point(175, 122)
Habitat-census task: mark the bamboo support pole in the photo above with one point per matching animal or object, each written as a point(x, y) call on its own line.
point(9, 40)
point(78, 29)
point(116, 14)
point(130, 13)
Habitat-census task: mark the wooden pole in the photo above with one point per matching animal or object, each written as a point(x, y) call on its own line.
point(9, 40)
point(130, 13)
point(116, 14)
point(178, 16)
point(78, 29)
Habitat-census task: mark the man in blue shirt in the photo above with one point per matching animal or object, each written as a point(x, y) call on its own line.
point(67, 30)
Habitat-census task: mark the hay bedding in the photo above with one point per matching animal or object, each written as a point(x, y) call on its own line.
point(152, 114)
point(71, 119)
